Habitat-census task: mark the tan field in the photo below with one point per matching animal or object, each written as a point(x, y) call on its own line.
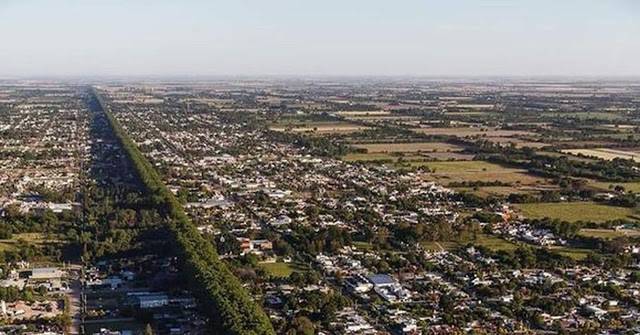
point(321, 127)
point(469, 131)
point(363, 113)
point(409, 147)
point(604, 153)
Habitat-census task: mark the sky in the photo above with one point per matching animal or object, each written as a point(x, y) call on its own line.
point(319, 37)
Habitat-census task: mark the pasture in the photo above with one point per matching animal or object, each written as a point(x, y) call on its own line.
point(479, 171)
point(605, 153)
point(575, 211)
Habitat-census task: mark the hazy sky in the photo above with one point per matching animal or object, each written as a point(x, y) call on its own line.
point(319, 37)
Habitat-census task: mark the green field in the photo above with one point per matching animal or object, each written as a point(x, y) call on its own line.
point(575, 211)
point(378, 156)
point(490, 242)
point(462, 166)
point(607, 234)
point(279, 269)
point(604, 186)
point(573, 253)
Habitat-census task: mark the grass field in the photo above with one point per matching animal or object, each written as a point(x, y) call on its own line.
point(358, 157)
point(604, 153)
point(493, 243)
point(607, 234)
point(463, 167)
point(469, 171)
point(487, 191)
point(409, 147)
point(280, 269)
point(604, 186)
point(587, 115)
point(575, 211)
point(363, 113)
point(320, 127)
point(472, 131)
point(573, 253)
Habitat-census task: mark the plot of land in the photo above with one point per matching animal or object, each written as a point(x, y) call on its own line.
point(490, 242)
point(575, 211)
point(606, 154)
point(605, 186)
point(472, 131)
point(409, 147)
point(480, 171)
point(319, 127)
point(574, 253)
point(279, 269)
point(363, 113)
point(607, 234)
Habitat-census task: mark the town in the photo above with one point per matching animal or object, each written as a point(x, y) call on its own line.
point(340, 207)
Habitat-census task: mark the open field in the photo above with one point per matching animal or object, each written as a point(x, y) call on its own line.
point(414, 158)
point(575, 211)
point(357, 157)
point(363, 113)
point(33, 238)
point(319, 127)
point(574, 253)
point(469, 171)
point(586, 115)
point(608, 233)
point(472, 131)
point(409, 147)
point(606, 154)
point(491, 242)
point(280, 269)
point(604, 186)
point(487, 191)
point(519, 143)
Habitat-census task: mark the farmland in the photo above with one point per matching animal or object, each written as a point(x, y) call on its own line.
point(604, 153)
point(318, 127)
point(409, 147)
point(480, 171)
point(575, 211)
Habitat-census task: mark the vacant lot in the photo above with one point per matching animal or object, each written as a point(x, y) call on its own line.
point(575, 211)
point(491, 242)
point(319, 127)
point(472, 131)
point(576, 254)
point(481, 171)
point(604, 153)
point(280, 269)
point(608, 234)
point(605, 186)
point(409, 147)
point(363, 113)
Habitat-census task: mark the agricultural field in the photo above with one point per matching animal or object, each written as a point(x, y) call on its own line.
point(409, 147)
point(319, 127)
point(575, 211)
point(607, 234)
point(607, 186)
point(363, 113)
point(606, 154)
point(577, 254)
point(481, 171)
point(472, 131)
